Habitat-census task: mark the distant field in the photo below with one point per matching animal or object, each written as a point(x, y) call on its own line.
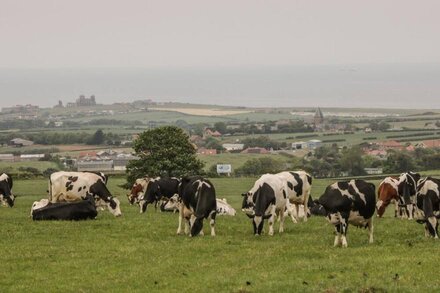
point(14, 166)
point(139, 253)
point(236, 160)
point(203, 112)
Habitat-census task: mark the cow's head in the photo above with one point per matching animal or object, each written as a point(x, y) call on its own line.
point(38, 205)
point(247, 205)
point(317, 209)
point(114, 206)
point(99, 189)
point(172, 204)
point(5, 190)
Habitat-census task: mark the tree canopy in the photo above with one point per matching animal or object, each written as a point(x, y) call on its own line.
point(164, 151)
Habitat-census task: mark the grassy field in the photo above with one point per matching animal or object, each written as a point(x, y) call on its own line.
point(142, 253)
point(14, 166)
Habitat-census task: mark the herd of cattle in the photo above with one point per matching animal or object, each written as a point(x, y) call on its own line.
point(78, 196)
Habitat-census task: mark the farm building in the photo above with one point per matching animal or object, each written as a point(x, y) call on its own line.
point(7, 158)
point(314, 143)
point(97, 165)
point(31, 157)
point(19, 142)
point(373, 171)
point(429, 144)
point(233, 146)
point(299, 145)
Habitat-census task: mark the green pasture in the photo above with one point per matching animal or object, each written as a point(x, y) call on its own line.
point(141, 252)
point(13, 167)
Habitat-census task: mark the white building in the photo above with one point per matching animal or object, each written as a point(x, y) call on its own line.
point(299, 145)
point(233, 146)
point(314, 143)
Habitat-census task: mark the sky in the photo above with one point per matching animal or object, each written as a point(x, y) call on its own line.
point(206, 35)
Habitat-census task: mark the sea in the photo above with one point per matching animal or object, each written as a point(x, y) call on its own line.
point(403, 86)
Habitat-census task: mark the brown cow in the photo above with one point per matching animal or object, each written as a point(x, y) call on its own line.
point(387, 192)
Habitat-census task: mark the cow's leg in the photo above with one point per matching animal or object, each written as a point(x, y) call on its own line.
point(337, 235)
point(258, 224)
point(297, 211)
point(179, 229)
point(272, 219)
point(396, 208)
point(344, 228)
point(432, 221)
point(290, 207)
point(370, 230)
point(212, 222)
point(306, 208)
point(281, 215)
point(426, 230)
point(410, 211)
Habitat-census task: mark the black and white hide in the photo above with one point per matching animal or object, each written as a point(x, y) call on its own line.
point(75, 186)
point(348, 202)
point(198, 203)
point(267, 199)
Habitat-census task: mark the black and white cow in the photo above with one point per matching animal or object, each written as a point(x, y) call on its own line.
point(79, 210)
point(158, 189)
point(6, 190)
point(406, 188)
point(299, 185)
point(428, 205)
point(198, 203)
point(75, 186)
point(348, 202)
point(223, 207)
point(266, 199)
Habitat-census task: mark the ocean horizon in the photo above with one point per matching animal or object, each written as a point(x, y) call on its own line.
point(414, 86)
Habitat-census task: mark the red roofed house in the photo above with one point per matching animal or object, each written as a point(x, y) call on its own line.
point(208, 132)
point(430, 144)
point(204, 151)
point(390, 145)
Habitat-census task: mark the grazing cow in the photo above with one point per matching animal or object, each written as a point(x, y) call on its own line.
point(386, 193)
point(266, 199)
point(6, 190)
point(138, 190)
point(223, 208)
point(79, 210)
point(407, 191)
point(428, 205)
point(348, 202)
point(75, 186)
point(299, 185)
point(158, 189)
point(198, 203)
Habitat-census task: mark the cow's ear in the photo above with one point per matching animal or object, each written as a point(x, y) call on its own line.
point(244, 194)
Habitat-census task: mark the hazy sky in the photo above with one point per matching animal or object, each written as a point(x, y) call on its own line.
point(345, 53)
point(204, 33)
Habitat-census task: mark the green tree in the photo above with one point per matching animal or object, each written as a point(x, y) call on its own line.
point(97, 138)
point(164, 151)
point(352, 161)
point(399, 162)
point(220, 127)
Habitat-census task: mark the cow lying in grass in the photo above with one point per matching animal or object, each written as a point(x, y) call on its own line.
point(73, 211)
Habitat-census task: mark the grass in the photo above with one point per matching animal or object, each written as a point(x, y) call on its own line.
point(14, 166)
point(142, 253)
